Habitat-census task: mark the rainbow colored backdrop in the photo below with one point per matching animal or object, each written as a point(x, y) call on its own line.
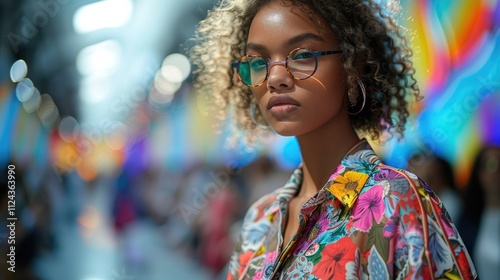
point(457, 56)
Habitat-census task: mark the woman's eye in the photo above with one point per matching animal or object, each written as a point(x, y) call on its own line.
point(304, 55)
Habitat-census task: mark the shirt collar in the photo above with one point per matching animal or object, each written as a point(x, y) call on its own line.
point(290, 189)
point(345, 183)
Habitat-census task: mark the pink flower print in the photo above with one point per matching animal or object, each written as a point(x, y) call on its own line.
point(259, 275)
point(369, 207)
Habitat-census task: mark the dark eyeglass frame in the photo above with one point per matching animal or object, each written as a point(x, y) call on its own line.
point(269, 64)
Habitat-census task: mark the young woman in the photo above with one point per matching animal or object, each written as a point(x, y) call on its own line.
point(324, 71)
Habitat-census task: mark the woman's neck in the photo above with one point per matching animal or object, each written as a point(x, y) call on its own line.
point(322, 151)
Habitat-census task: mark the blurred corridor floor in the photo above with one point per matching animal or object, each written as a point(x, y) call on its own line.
point(89, 248)
point(75, 258)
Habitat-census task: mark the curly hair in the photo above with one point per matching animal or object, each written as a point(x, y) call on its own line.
point(374, 52)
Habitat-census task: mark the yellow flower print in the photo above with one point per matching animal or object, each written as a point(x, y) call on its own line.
point(346, 187)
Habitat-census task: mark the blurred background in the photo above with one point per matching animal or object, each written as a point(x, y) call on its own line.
point(119, 174)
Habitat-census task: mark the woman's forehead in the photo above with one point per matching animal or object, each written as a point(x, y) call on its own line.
point(286, 20)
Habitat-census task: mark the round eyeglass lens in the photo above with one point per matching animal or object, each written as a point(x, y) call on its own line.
point(301, 64)
point(253, 70)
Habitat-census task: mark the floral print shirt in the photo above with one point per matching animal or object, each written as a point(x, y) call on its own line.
point(369, 221)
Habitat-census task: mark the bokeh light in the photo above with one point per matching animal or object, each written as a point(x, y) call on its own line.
point(100, 58)
point(48, 112)
point(67, 128)
point(24, 90)
point(102, 14)
point(34, 101)
point(18, 71)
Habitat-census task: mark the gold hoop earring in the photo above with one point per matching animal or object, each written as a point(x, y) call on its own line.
point(253, 106)
point(363, 92)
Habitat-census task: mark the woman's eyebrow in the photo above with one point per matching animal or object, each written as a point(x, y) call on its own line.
point(292, 41)
point(255, 47)
point(303, 37)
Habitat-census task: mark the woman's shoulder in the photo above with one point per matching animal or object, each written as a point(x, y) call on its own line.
point(399, 183)
point(402, 186)
point(398, 179)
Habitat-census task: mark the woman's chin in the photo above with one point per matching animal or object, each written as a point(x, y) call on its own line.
point(283, 130)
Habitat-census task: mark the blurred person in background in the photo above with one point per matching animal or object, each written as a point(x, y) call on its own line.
point(479, 225)
point(324, 71)
point(438, 173)
point(223, 209)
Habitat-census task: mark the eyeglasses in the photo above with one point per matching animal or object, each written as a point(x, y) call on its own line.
point(300, 64)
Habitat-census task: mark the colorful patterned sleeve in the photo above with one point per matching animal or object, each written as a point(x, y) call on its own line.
point(426, 244)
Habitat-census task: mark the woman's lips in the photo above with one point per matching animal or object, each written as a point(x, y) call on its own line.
point(283, 109)
point(281, 100)
point(281, 105)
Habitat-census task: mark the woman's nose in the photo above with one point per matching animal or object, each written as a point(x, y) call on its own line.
point(278, 77)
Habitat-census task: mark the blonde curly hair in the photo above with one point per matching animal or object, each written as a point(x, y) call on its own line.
point(374, 52)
